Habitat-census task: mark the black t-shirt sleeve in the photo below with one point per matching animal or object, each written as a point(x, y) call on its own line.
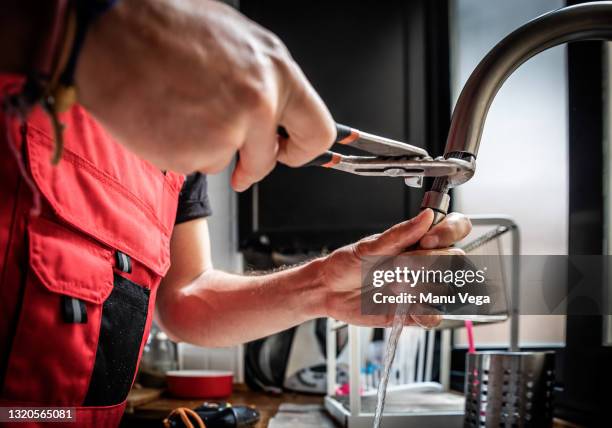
point(193, 200)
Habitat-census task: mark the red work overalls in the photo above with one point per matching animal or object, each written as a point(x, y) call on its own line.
point(78, 281)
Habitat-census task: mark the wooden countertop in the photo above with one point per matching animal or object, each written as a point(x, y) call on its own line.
point(266, 404)
point(142, 415)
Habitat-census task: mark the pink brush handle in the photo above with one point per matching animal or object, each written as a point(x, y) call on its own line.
point(469, 327)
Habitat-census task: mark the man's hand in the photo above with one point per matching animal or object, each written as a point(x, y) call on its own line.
point(341, 272)
point(199, 304)
point(187, 84)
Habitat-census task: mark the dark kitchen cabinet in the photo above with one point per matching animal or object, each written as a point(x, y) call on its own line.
point(382, 67)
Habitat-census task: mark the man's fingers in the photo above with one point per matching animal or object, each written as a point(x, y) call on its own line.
point(257, 157)
point(310, 130)
point(396, 239)
point(309, 124)
point(426, 321)
point(453, 228)
point(438, 252)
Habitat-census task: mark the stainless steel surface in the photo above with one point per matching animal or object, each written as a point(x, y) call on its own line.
point(386, 147)
point(438, 202)
point(456, 170)
point(509, 389)
point(506, 221)
point(587, 21)
point(438, 217)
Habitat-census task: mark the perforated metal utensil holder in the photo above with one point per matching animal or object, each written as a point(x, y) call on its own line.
point(509, 389)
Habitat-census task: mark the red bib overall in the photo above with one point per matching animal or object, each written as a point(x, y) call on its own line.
point(78, 281)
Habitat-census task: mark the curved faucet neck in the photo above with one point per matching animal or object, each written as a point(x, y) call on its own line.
point(587, 21)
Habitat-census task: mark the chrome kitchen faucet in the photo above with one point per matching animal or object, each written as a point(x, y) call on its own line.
point(587, 21)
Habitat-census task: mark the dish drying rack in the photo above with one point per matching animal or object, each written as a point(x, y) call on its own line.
point(421, 403)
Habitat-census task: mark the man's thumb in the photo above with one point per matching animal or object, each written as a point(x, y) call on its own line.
point(398, 238)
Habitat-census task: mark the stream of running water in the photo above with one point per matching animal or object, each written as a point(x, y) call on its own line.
point(396, 331)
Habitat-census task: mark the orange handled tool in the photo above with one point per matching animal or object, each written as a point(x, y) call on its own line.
point(370, 143)
point(387, 157)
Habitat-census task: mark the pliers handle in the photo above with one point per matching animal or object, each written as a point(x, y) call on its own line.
point(370, 143)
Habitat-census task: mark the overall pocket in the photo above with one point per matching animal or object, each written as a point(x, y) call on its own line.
point(80, 326)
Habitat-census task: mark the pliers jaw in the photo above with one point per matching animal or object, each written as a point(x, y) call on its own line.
point(412, 169)
point(390, 158)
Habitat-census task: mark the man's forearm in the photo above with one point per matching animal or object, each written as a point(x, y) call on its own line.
point(221, 309)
